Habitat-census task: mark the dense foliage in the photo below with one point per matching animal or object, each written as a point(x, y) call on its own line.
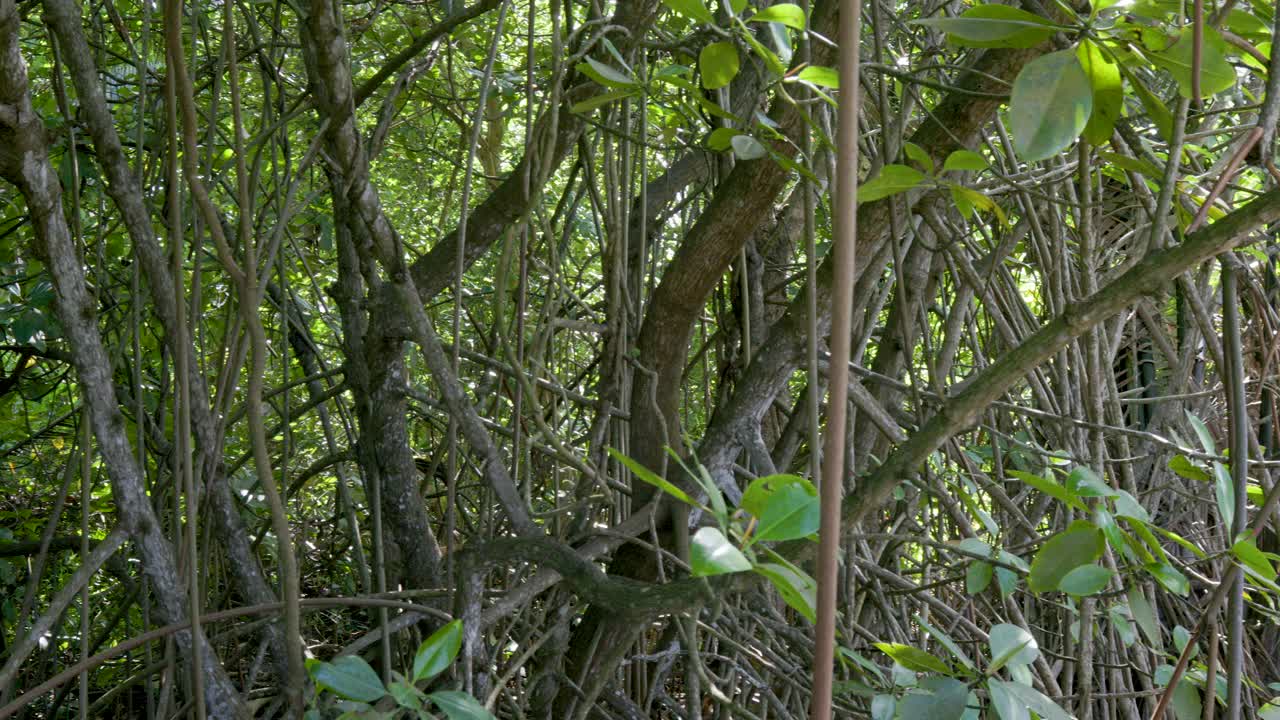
point(434, 359)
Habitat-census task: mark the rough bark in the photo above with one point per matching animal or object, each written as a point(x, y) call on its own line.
point(24, 161)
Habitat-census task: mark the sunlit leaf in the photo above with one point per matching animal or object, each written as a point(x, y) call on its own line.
point(711, 553)
point(1049, 105)
point(718, 62)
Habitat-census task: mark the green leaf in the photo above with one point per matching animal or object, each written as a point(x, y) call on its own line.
point(1050, 487)
point(406, 695)
point(1224, 491)
point(1007, 706)
point(721, 139)
point(711, 553)
point(1064, 552)
point(785, 506)
point(1216, 73)
point(969, 201)
point(965, 160)
point(884, 707)
point(786, 13)
point(797, 589)
point(1186, 698)
point(351, 677)
point(600, 100)
point(1049, 105)
point(919, 156)
point(1182, 466)
point(1085, 580)
point(1202, 432)
point(692, 9)
point(1247, 552)
point(718, 63)
point(946, 641)
point(993, 26)
point(1085, 483)
point(457, 705)
point(1011, 644)
point(977, 577)
point(1145, 617)
point(643, 473)
point(944, 699)
point(1168, 576)
point(607, 74)
point(1032, 699)
point(1156, 109)
point(893, 179)
point(914, 659)
point(1108, 94)
point(437, 652)
point(821, 76)
point(746, 147)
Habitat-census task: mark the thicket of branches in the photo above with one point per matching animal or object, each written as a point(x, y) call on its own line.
point(405, 359)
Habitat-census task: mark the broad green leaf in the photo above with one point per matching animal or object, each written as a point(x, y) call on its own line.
point(600, 100)
point(1216, 73)
point(718, 63)
point(797, 590)
point(1156, 109)
point(406, 695)
point(1033, 700)
point(457, 705)
point(1085, 580)
point(1007, 581)
point(965, 160)
point(746, 147)
point(711, 553)
point(1270, 711)
point(1247, 25)
point(1186, 698)
point(993, 26)
point(884, 707)
point(1049, 106)
point(1168, 576)
point(721, 139)
point(943, 698)
point(692, 9)
point(1115, 536)
point(893, 179)
point(1247, 552)
point(1050, 487)
point(1108, 94)
point(351, 677)
point(1064, 552)
point(914, 659)
point(607, 74)
point(977, 577)
point(1224, 491)
point(437, 652)
point(969, 201)
point(643, 473)
point(785, 506)
point(1007, 706)
point(1011, 644)
point(1182, 466)
point(1085, 483)
point(1119, 616)
point(919, 156)
point(946, 641)
point(788, 14)
point(856, 658)
point(1145, 617)
point(821, 76)
point(1202, 432)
